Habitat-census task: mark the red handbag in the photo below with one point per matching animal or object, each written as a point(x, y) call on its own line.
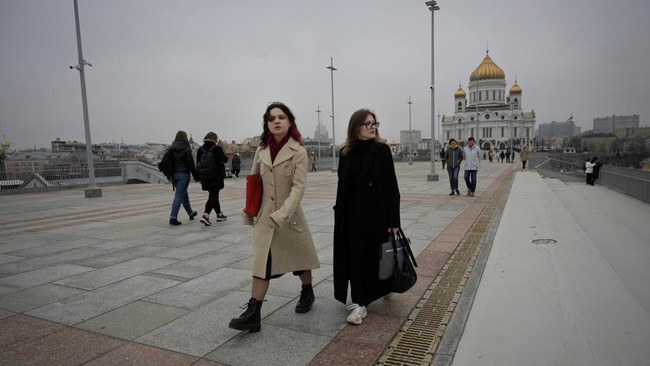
point(254, 190)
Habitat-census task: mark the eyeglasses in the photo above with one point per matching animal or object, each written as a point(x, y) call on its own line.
point(371, 125)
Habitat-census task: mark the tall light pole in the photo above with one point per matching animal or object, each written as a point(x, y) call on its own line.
point(433, 176)
point(332, 69)
point(410, 130)
point(92, 190)
point(318, 129)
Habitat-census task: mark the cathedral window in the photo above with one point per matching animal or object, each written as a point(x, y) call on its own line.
point(503, 132)
point(494, 93)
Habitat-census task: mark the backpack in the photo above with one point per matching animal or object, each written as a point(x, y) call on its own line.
point(206, 168)
point(168, 164)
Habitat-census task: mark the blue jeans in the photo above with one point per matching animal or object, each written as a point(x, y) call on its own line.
point(181, 181)
point(470, 179)
point(453, 177)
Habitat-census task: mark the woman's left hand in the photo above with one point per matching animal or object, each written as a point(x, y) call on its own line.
point(393, 230)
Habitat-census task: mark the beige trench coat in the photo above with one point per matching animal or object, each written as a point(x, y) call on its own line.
point(281, 226)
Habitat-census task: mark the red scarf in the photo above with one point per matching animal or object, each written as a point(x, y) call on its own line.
point(277, 146)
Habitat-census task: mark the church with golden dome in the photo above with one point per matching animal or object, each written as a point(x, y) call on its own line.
point(494, 117)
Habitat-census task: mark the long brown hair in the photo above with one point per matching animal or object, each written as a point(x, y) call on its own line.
point(182, 137)
point(356, 122)
point(266, 137)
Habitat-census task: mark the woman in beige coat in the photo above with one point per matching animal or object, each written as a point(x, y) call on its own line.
point(282, 242)
point(524, 156)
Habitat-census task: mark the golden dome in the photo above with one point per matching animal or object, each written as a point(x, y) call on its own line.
point(460, 93)
point(487, 70)
point(516, 89)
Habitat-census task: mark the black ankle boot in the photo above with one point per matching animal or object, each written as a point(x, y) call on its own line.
point(306, 299)
point(250, 319)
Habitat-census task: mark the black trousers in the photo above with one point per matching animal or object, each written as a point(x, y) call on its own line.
point(213, 201)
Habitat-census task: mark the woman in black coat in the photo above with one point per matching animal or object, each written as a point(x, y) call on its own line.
point(366, 213)
point(215, 184)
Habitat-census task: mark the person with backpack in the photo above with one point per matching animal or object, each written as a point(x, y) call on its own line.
point(212, 171)
point(183, 167)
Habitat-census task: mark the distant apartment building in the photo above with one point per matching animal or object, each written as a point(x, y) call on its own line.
point(614, 122)
point(558, 129)
point(414, 138)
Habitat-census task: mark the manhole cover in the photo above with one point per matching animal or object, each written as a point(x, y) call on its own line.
point(544, 241)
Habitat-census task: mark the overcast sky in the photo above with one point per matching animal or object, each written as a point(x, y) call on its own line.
point(213, 65)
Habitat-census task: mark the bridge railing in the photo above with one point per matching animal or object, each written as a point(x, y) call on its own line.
point(633, 182)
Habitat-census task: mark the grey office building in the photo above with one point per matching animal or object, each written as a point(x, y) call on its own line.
point(614, 122)
point(558, 129)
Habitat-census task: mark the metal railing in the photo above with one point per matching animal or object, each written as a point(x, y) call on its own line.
point(633, 182)
point(58, 176)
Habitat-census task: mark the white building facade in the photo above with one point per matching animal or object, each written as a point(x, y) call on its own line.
point(496, 119)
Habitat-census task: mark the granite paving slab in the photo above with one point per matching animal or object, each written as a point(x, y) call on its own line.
point(93, 303)
point(5, 258)
point(203, 289)
point(272, 346)
point(132, 320)
point(107, 275)
point(39, 277)
point(35, 297)
point(197, 266)
point(134, 354)
point(67, 347)
point(203, 330)
point(124, 255)
point(327, 316)
point(19, 329)
point(63, 244)
point(50, 260)
point(192, 250)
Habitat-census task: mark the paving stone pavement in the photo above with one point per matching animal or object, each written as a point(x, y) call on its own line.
point(101, 281)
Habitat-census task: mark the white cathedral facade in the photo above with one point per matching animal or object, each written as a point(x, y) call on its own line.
point(495, 119)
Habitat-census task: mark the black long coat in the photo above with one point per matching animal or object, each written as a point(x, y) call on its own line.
point(367, 204)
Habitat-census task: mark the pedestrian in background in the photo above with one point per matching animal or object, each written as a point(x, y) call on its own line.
point(215, 184)
point(367, 211)
point(442, 157)
point(236, 166)
point(524, 156)
point(454, 158)
point(592, 168)
point(282, 242)
point(183, 167)
point(312, 161)
point(472, 158)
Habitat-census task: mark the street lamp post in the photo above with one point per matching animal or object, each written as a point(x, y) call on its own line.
point(92, 190)
point(410, 130)
point(318, 129)
point(433, 176)
point(332, 69)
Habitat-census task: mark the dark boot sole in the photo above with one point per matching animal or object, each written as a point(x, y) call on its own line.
point(302, 310)
point(253, 328)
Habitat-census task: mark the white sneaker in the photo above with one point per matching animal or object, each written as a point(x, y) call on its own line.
point(357, 314)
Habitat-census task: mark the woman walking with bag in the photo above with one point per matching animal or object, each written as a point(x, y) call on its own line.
point(282, 242)
point(212, 180)
point(365, 215)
